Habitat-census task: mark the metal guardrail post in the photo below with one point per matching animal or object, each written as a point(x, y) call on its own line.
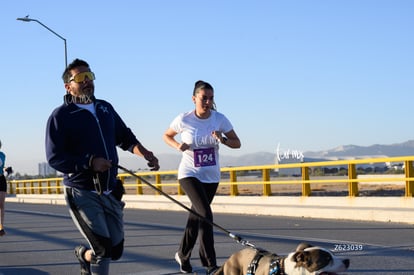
point(352, 185)
point(267, 190)
point(49, 190)
point(409, 173)
point(139, 187)
point(58, 190)
point(38, 187)
point(11, 190)
point(234, 191)
point(180, 190)
point(306, 190)
point(158, 183)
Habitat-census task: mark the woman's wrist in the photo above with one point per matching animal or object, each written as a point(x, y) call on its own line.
point(179, 146)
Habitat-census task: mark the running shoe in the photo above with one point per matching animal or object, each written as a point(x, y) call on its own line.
point(185, 266)
point(211, 270)
point(85, 266)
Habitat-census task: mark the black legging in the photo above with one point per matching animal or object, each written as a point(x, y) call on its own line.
point(201, 195)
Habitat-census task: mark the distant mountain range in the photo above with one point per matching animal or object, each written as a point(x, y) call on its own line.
point(376, 150)
point(171, 161)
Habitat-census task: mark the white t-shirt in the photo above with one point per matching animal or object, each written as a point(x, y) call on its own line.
point(201, 160)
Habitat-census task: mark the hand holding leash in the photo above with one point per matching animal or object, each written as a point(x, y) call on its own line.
point(152, 161)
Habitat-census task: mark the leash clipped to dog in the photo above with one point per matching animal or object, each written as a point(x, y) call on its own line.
point(231, 235)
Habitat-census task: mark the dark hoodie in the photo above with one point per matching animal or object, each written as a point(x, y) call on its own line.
point(74, 136)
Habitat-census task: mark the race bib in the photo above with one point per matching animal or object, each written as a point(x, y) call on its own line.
point(204, 157)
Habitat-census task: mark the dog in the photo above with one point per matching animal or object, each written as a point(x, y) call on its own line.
point(306, 259)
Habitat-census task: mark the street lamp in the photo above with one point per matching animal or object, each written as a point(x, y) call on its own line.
point(27, 19)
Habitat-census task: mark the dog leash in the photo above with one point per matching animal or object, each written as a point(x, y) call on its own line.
point(235, 237)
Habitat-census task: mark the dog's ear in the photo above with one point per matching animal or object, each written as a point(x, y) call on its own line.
point(303, 246)
point(314, 259)
point(299, 257)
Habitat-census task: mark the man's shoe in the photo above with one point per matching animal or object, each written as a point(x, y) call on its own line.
point(2, 232)
point(211, 270)
point(185, 266)
point(85, 266)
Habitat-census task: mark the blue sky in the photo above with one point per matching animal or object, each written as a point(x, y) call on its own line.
point(308, 75)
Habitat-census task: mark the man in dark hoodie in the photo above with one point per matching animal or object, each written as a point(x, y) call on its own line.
point(81, 139)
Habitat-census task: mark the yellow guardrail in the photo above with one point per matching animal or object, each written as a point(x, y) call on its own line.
point(55, 186)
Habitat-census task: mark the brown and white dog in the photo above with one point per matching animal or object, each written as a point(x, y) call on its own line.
point(306, 260)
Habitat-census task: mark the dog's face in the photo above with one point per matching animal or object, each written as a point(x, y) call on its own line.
point(306, 260)
point(313, 260)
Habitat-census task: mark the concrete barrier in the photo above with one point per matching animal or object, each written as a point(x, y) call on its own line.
point(381, 209)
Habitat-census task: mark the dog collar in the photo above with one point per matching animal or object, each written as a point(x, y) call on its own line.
point(276, 266)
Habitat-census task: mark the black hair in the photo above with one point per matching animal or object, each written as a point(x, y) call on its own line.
point(201, 85)
point(75, 63)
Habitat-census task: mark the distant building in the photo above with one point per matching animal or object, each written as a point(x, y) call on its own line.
point(46, 170)
point(396, 165)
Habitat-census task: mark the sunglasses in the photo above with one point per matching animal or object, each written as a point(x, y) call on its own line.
point(205, 98)
point(80, 77)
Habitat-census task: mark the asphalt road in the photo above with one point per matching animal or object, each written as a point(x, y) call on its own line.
point(40, 240)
